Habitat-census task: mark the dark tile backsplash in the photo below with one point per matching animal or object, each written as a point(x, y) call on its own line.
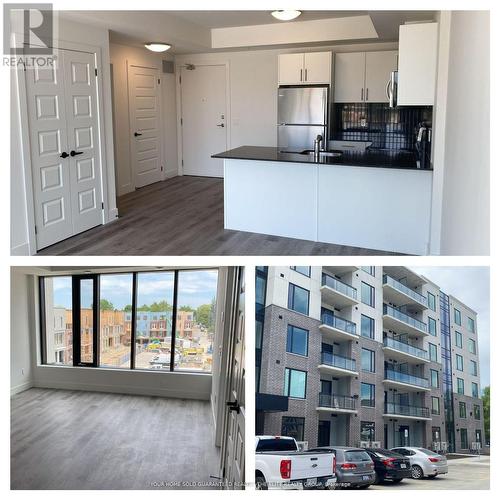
point(387, 128)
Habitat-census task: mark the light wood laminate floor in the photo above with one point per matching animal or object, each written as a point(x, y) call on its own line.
point(184, 216)
point(87, 440)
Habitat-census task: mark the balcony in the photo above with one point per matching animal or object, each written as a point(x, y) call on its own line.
point(337, 328)
point(340, 270)
point(400, 322)
point(337, 365)
point(397, 379)
point(397, 293)
point(406, 411)
point(402, 351)
point(335, 292)
point(336, 404)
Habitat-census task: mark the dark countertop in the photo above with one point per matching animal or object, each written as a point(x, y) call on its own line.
point(381, 158)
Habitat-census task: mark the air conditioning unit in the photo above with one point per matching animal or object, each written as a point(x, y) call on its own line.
point(444, 446)
point(375, 444)
point(364, 444)
point(303, 445)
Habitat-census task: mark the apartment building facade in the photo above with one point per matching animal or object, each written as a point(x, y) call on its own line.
point(354, 356)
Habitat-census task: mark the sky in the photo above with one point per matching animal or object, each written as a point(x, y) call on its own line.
point(470, 285)
point(195, 288)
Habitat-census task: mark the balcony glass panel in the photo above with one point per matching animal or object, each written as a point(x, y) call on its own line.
point(337, 361)
point(335, 401)
point(328, 318)
point(410, 411)
point(395, 313)
point(406, 378)
point(404, 289)
point(403, 347)
point(339, 286)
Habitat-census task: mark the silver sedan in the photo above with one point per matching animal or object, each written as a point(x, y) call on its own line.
point(424, 463)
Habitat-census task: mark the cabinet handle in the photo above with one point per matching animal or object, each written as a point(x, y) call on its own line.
point(362, 94)
point(300, 75)
point(367, 94)
point(306, 74)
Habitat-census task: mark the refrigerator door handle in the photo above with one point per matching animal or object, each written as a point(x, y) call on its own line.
point(301, 75)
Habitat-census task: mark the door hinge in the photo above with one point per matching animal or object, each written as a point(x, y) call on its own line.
point(181, 122)
point(180, 79)
point(95, 71)
point(161, 168)
point(102, 205)
point(182, 162)
point(36, 230)
point(158, 81)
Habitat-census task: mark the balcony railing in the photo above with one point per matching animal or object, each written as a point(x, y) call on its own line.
point(406, 378)
point(338, 402)
point(404, 289)
point(409, 411)
point(339, 323)
point(337, 361)
point(404, 347)
point(339, 286)
point(395, 313)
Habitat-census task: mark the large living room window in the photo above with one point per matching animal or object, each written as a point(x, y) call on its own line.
point(126, 320)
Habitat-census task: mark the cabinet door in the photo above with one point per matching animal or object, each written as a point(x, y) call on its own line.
point(417, 64)
point(317, 67)
point(291, 69)
point(378, 73)
point(349, 77)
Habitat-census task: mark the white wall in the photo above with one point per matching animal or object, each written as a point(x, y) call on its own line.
point(254, 82)
point(21, 373)
point(72, 32)
point(121, 55)
point(466, 207)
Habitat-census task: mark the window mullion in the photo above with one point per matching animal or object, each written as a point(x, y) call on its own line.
point(174, 321)
point(133, 318)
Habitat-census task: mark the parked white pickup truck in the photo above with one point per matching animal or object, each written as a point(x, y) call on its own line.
point(280, 465)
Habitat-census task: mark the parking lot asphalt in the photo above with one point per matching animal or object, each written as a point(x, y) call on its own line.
point(472, 473)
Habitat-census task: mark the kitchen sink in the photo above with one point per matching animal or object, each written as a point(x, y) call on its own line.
point(311, 153)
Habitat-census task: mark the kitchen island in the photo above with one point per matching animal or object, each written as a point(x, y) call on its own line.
point(375, 199)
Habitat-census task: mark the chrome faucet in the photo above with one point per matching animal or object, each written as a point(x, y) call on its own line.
point(317, 146)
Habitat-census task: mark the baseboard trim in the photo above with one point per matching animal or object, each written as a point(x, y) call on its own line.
point(20, 388)
point(20, 250)
point(136, 390)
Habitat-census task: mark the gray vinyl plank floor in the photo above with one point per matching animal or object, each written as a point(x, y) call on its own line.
point(87, 440)
point(184, 216)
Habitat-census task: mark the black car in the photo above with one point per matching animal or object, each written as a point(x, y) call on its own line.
point(389, 465)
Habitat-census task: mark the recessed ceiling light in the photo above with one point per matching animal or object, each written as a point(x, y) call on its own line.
point(157, 46)
point(286, 15)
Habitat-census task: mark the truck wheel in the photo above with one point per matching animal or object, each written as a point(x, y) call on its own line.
point(417, 472)
point(260, 482)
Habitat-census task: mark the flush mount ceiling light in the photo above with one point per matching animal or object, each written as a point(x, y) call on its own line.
point(286, 15)
point(157, 46)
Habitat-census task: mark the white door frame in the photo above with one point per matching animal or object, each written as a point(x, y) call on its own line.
point(107, 214)
point(178, 99)
point(139, 64)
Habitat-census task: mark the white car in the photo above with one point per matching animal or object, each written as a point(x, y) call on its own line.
point(424, 463)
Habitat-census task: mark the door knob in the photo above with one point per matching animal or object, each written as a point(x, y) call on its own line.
point(233, 406)
point(221, 125)
point(137, 134)
point(74, 153)
point(64, 155)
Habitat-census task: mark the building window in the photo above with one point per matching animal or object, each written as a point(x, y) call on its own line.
point(367, 431)
point(298, 299)
point(458, 339)
point(431, 301)
point(260, 290)
point(464, 443)
point(475, 390)
point(473, 368)
point(295, 383)
point(305, 270)
point(367, 294)
point(459, 360)
point(369, 269)
point(470, 325)
point(460, 385)
point(462, 409)
point(472, 346)
point(458, 317)
point(432, 327)
point(297, 340)
point(367, 327)
point(434, 378)
point(477, 412)
point(367, 360)
point(259, 327)
point(293, 427)
point(433, 356)
point(368, 395)
point(435, 405)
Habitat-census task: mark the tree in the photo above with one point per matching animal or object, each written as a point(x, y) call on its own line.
point(128, 308)
point(106, 305)
point(204, 316)
point(186, 308)
point(162, 306)
point(486, 412)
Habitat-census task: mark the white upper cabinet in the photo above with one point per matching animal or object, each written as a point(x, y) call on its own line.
point(417, 64)
point(363, 76)
point(303, 69)
point(379, 66)
point(349, 77)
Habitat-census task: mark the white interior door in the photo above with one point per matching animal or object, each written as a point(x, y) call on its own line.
point(62, 115)
point(204, 123)
point(144, 109)
point(83, 140)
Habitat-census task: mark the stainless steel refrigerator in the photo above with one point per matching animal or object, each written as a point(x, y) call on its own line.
point(302, 116)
